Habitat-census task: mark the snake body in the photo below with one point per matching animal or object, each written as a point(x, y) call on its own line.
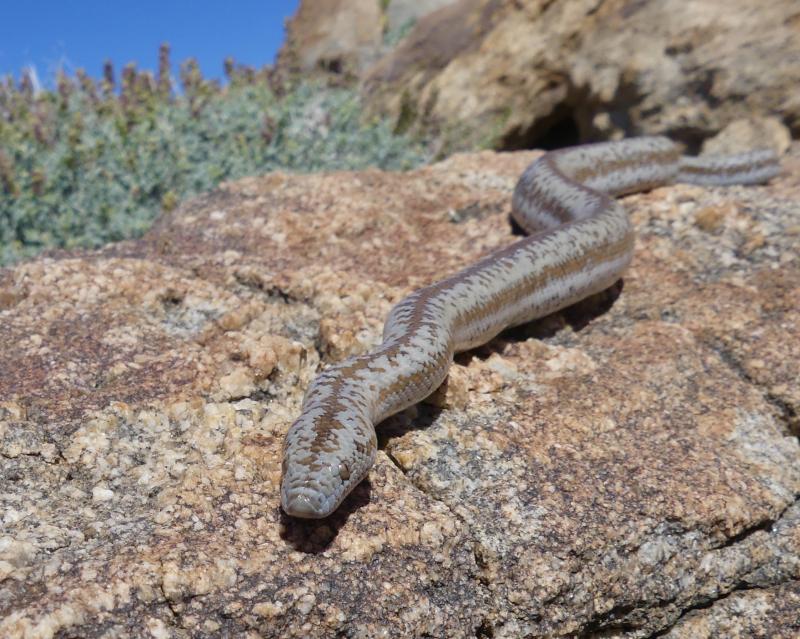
point(581, 242)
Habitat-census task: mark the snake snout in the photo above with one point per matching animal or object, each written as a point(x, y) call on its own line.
point(306, 504)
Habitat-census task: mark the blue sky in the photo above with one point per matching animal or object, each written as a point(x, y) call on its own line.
point(83, 33)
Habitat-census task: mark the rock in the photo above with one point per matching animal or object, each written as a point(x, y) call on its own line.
point(341, 39)
point(512, 74)
point(337, 36)
point(402, 14)
point(749, 133)
point(628, 467)
point(762, 612)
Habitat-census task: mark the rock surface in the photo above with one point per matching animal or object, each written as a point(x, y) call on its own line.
point(516, 74)
point(402, 14)
point(627, 468)
point(339, 36)
point(344, 38)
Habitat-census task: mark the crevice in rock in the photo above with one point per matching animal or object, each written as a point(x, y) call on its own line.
point(273, 292)
point(617, 620)
point(582, 117)
point(613, 622)
point(560, 129)
point(704, 604)
point(21, 454)
point(480, 553)
point(765, 525)
point(428, 494)
point(170, 604)
point(260, 395)
point(484, 630)
point(397, 464)
point(788, 414)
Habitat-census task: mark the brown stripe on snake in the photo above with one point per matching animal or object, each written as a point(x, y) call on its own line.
point(602, 170)
point(764, 163)
point(582, 241)
point(537, 280)
point(544, 202)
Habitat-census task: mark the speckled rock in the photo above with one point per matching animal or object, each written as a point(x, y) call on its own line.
point(625, 468)
point(768, 613)
point(342, 39)
point(401, 14)
point(335, 36)
point(515, 74)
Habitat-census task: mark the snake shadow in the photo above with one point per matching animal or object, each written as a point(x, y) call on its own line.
point(577, 317)
point(314, 536)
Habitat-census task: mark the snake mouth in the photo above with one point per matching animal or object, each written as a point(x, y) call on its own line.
point(304, 507)
point(306, 501)
point(305, 504)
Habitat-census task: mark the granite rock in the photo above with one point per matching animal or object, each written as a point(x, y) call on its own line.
point(516, 74)
point(342, 39)
point(402, 14)
point(339, 37)
point(763, 612)
point(625, 468)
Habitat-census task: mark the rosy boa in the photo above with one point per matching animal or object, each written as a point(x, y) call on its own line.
point(581, 243)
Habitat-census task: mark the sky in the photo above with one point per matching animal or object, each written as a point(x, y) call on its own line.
point(53, 34)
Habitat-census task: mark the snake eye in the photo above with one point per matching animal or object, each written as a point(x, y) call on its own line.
point(344, 471)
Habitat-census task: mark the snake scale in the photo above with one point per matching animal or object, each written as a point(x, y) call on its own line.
point(580, 242)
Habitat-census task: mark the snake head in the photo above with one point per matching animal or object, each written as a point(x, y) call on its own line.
point(326, 454)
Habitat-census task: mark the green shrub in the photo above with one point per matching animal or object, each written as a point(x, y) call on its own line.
point(88, 163)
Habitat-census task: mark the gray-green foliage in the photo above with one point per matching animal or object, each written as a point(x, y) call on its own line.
point(84, 165)
point(393, 36)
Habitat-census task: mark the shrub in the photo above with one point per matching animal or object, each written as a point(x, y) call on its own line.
point(90, 163)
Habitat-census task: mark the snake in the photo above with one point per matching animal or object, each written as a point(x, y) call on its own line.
point(580, 241)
